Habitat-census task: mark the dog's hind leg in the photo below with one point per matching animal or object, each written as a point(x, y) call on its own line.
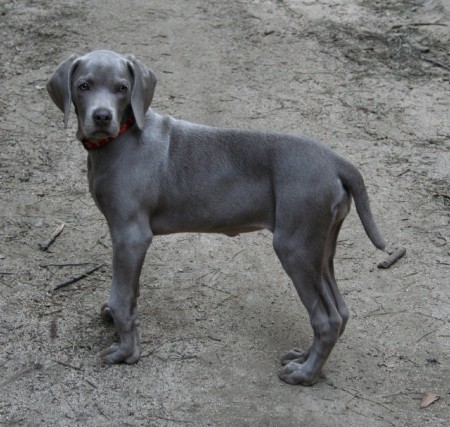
point(328, 272)
point(307, 257)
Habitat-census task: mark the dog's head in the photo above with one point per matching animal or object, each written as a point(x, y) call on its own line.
point(105, 88)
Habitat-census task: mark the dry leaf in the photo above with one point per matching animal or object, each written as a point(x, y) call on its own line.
point(428, 399)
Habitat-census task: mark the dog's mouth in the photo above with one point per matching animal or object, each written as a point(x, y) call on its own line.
point(95, 133)
point(101, 134)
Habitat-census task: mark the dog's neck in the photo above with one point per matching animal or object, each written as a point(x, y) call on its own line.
point(96, 144)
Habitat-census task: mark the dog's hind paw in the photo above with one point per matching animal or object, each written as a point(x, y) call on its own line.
point(295, 355)
point(296, 374)
point(118, 353)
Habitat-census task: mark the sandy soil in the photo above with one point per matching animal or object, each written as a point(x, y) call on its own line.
point(370, 78)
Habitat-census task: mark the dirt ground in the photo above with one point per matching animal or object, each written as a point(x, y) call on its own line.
point(368, 77)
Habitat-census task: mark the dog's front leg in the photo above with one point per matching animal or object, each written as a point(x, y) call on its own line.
point(130, 240)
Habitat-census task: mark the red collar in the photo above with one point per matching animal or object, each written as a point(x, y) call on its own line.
point(94, 145)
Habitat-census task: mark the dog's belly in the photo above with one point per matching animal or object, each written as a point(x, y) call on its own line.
point(231, 226)
point(161, 229)
point(225, 219)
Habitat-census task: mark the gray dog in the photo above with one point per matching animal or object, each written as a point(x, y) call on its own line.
point(152, 175)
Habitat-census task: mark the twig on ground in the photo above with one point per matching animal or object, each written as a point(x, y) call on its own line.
point(402, 357)
point(443, 195)
point(403, 172)
point(392, 258)
point(44, 245)
point(90, 383)
point(237, 253)
point(216, 289)
point(437, 64)
point(418, 24)
point(67, 365)
point(425, 335)
point(79, 277)
point(225, 300)
point(359, 395)
point(383, 313)
point(65, 264)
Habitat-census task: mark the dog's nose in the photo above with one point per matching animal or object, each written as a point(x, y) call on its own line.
point(102, 116)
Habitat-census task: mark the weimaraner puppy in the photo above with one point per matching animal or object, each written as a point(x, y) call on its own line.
point(151, 174)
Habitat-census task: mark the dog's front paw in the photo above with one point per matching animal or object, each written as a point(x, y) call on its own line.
point(296, 374)
point(120, 353)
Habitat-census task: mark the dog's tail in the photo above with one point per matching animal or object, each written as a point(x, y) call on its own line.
point(354, 182)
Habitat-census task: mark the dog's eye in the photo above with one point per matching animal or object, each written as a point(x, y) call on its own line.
point(123, 88)
point(83, 87)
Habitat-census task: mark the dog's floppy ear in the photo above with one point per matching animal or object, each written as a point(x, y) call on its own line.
point(144, 82)
point(59, 86)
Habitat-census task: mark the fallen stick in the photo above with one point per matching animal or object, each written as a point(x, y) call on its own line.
point(44, 245)
point(437, 63)
point(392, 258)
point(67, 365)
point(65, 264)
point(79, 277)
